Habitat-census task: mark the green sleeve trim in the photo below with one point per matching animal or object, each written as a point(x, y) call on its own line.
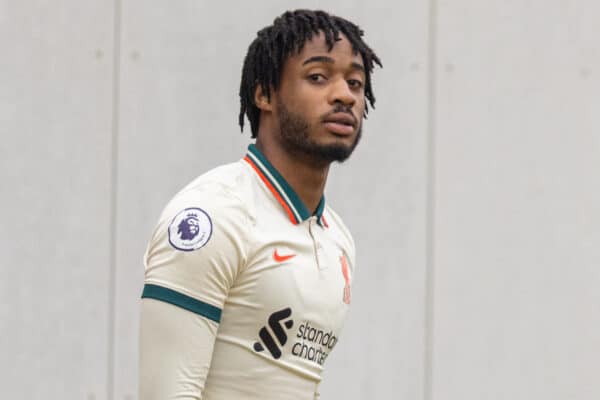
point(181, 300)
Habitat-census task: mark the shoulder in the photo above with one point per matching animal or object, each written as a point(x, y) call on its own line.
point(220, 189)
point(203, 237)
point(217, 201)
point(228, 180)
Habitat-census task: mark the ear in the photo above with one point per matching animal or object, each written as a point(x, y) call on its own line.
point(261, 99)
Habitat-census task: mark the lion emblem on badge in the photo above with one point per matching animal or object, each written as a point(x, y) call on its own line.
point(190, 229)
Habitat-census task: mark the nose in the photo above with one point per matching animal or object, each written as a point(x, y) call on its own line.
point(341, 93)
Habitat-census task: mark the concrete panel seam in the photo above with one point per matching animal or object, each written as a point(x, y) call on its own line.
point(113, 199)
point(430, 228)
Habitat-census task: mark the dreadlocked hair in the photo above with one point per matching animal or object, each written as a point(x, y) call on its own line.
point(273, 44)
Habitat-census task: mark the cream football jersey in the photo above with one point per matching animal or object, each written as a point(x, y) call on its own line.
point(272, 280)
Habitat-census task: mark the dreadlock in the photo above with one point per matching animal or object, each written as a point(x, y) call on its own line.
point(288, 34)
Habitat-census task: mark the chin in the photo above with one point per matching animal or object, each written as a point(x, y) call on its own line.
point(334, 150)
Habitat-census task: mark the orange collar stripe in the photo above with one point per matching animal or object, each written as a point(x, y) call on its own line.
point(272, 189)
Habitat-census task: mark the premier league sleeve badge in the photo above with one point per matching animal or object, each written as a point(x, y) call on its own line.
point(190, 230)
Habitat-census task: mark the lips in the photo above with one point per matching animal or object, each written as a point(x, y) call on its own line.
point(341, 118)
point(340, 123)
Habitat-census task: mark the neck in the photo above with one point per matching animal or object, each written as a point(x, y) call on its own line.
point(305, 176)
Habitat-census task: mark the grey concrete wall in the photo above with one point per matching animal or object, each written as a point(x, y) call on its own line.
point(517, 201)
point(473, 197)
point(56, 105)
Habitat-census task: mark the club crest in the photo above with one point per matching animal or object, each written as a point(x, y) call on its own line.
point(347, 278)
point(190, 230)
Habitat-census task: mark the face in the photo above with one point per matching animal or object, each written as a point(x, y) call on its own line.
point(320, 101)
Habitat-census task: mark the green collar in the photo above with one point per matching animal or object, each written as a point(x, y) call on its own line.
point(283, 192)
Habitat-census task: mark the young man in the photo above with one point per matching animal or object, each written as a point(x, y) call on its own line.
point(248, 272)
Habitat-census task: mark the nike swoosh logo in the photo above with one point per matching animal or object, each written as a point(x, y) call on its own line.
point(280, 258)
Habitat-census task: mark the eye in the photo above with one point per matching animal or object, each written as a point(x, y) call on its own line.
point(355, 83)
point(317, 78)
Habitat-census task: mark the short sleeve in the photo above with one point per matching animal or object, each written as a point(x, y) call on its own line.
point(197, 249)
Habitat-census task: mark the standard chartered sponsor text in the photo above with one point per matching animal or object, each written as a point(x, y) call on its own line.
point(313, 344)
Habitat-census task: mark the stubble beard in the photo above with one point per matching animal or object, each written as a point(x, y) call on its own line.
point(295, 138)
